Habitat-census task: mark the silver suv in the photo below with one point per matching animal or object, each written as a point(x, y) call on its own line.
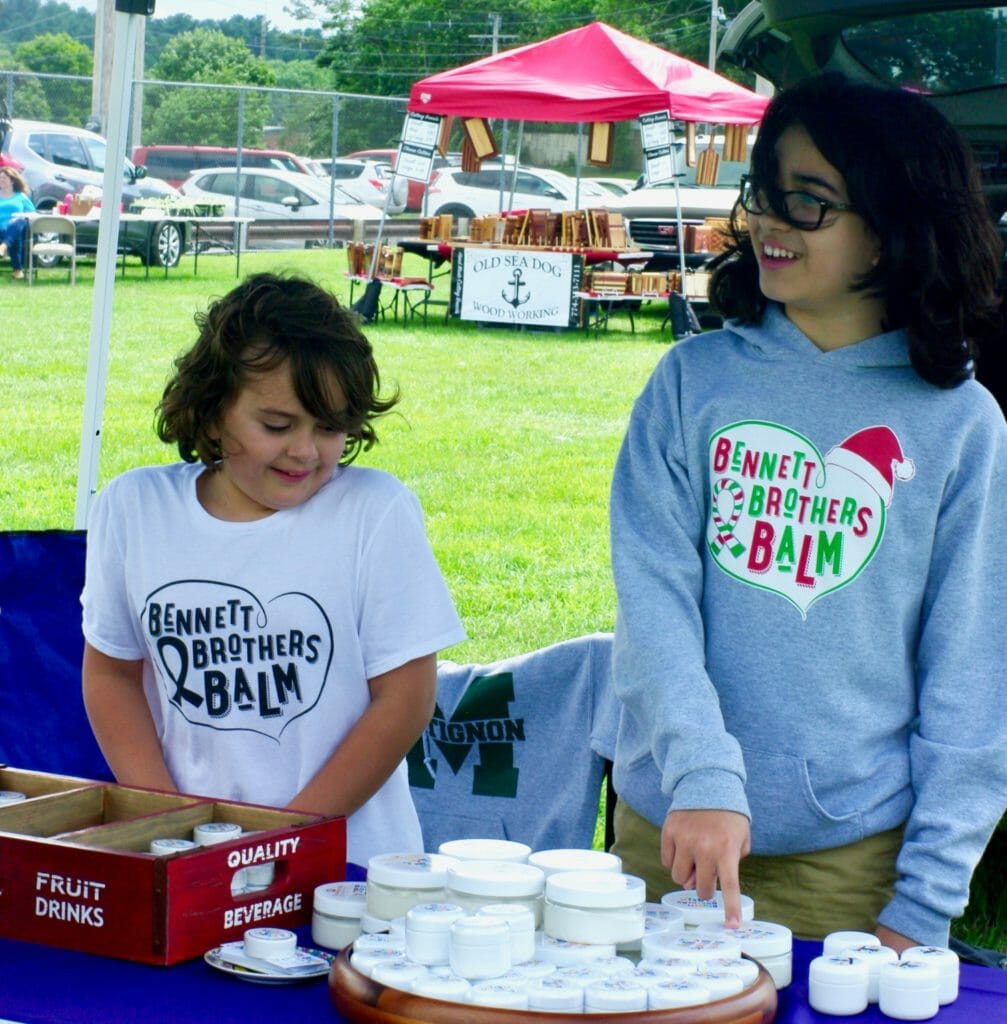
point(58, 159)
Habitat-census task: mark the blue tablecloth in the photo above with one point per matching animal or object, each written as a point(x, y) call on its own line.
point(38, 984)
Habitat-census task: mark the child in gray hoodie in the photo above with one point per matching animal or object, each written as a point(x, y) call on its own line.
point(808, 516)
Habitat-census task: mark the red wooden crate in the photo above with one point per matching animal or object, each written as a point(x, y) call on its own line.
point(75, 871)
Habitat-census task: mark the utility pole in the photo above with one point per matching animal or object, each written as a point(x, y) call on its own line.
point(714, 21)
point(494, 35)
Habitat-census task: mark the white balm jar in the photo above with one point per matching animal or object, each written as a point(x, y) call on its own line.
point(908, 990)
point(337, 908)
point(479, 947)
point(769, 943)
point(614, 966)
point(695, 946)
point(721, 984)
point(674, 968)
point(876, 957)
point(398, 881)
point(580, 974)
point(651, 974)
point(555, 995)
point(532, 970)
point(656, 918)
point(946, 962)
point(614, 995)
point(551, 861)
point(569, 954)
point(267, 943)
point(838, 984)
point(428, 931)
point(485, 849)
point(521, 922)
point(835, 942)
point(168, 845)
point(365, 960)
point(212, 832)
point(594, 907)
point(698, 912)
point(500, 993)
point(368, 942)
point(400, 974)
point(670, 995)
point(452, 989)
point(747, 970)
point(11, 796)
point(475, 884)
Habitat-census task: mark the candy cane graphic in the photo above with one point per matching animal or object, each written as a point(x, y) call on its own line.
point(725, 537)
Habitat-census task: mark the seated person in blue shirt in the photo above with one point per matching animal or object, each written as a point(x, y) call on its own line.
point(14, 200)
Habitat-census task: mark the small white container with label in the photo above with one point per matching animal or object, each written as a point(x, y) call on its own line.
point(11, 796)
point(699, 912)
point(656, 918)
point(475, 884)
point(769, 943)
point(555, 995)
point(594, 907)
point(615, 995)
point(568, 954)
point(501, 993)
point(673, 968)
point(210, 833)
point(835, 942)
point(614, 966)
point(651, 974)
point(485, 849)
point(532, 970)
point(428, 931)
point(908, 990)
point(521, 922)
point(398, 881)
point(838, 984)
point(720, 983)
point(367, 959)
point(747, 970)
point(169, 845)
point(452, 989)
point(876, 957)
point(581, 974)
point(695, 946)
point(480, 947)
point(946, 962)
point(368, 942)
point(400, 974)
point(336, 912)
point(670, 995)
point(551, 861)
point(269, 943)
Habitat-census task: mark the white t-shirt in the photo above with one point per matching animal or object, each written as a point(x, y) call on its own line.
point(258, 638)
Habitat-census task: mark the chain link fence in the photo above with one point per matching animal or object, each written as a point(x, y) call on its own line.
point(310, 123)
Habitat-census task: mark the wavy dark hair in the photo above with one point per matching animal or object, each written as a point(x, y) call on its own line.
point(913, 180)
point(267, 321)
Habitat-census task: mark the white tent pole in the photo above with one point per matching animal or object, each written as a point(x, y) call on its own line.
point(126, 27)
point(679, 226)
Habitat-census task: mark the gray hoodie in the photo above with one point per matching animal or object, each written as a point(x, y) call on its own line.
point(810, 554)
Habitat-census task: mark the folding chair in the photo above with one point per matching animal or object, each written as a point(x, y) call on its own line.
point(518, 749)
point(55, 236)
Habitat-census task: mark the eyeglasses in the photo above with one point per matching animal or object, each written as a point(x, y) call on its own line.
point(800, 210)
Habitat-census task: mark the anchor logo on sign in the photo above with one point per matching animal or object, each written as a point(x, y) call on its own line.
point(515, 298)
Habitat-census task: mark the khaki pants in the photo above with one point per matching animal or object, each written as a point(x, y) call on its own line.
point(811, 893)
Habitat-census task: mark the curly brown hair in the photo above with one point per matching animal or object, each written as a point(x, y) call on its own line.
point(267, 321)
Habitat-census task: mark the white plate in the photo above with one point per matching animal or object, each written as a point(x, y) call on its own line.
point(212, 957)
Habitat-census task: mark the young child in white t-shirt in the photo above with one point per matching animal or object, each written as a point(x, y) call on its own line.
point(262, 619)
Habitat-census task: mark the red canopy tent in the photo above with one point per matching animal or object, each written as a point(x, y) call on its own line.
point(593, 73)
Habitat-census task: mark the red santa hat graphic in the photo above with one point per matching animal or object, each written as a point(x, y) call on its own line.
point(875, 455)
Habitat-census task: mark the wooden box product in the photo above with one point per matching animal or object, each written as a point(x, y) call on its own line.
point(80, 207)
point(75, 871)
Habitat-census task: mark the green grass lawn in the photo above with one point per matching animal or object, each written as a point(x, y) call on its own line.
point(508, 438)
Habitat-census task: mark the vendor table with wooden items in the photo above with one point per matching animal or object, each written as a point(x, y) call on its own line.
point(55, 986)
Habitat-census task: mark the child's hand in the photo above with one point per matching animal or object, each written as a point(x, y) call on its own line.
point(700, 847)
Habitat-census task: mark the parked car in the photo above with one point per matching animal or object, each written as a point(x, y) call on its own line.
point(58, 159)
point(415, 189)
point(276, 195)
point(488, 190)
point(617, 186)
point(176, 163)
point(651, 211)
point(370, 181)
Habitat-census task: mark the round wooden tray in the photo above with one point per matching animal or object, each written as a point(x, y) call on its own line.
point(363, 1001)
